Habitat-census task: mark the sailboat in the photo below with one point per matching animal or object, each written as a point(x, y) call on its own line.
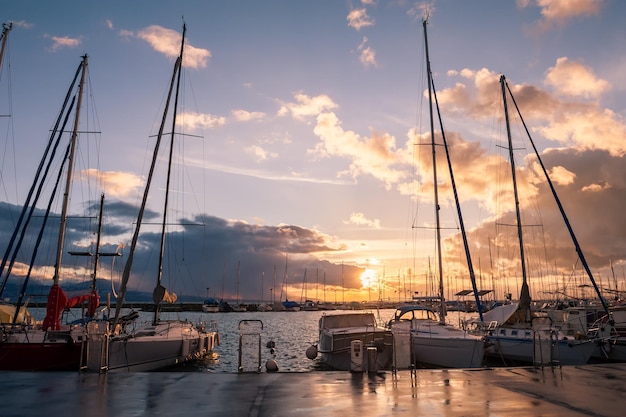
point(26, 344)
point(432, 342)
point(122, 347)
point(210, 304)
point(238, 307)
point(288, 305)
point(263, 306)
point(515, 332)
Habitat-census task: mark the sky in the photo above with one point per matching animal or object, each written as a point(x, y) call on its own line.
point(302, 160)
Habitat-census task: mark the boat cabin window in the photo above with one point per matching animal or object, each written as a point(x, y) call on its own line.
point(347, 320)
point(415, 314)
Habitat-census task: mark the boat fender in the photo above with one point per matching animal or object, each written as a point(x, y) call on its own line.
point(311, 352)
point(271, 365)
point(270, 344)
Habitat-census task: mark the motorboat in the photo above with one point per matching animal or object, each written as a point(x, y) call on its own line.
point(337, 332)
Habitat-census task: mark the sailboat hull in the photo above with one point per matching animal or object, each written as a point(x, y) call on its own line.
point(37, 350)
point(506, 346)
point(153, 347)
point(441, 346)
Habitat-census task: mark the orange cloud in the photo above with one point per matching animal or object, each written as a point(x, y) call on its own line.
point(167, 42)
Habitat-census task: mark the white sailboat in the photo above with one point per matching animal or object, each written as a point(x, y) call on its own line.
point(124, 347)
point(432, 342)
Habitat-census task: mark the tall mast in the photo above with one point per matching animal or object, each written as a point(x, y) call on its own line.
point(155, 155)
point(524, 300)
point(442, 311)
point(70, 172)
point(579, 250)
point(177, 71)
point(6, 28)
point(97, 253)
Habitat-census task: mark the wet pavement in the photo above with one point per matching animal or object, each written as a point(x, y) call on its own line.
point(589, 390)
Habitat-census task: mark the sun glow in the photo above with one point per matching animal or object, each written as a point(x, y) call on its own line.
point(369, 278)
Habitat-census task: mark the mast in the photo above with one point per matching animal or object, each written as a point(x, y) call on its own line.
point(238, 276)
point(155, 155)
point(468, 256)
point(169, 174)
point(6, 28)
point(97, 254)
point(524, 299)
point(70, 172)
point(442, 311)
point(579, 250)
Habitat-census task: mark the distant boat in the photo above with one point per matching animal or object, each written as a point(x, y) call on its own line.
point(263, 306)
point(239, 308)
point(287, 305)
point(291, 305)
point(310, 305)
point(211, 305)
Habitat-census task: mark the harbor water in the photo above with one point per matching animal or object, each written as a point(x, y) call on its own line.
point(291, 333)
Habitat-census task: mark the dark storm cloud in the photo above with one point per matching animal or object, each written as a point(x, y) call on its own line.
point(206, 252)
point(201, 252)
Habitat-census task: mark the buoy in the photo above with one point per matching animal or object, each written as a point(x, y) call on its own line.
point(311, 352)
point(271, 365)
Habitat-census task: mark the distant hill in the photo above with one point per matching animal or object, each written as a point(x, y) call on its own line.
point(38, 291)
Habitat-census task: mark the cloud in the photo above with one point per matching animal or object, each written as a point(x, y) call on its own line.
point(361, 220)
point(306, 106)
point(571, 78)
point(260, 153)
point(422, 9)
point(109, 24)
point(368, 55)
point(21, 24)
point(195, 121)
point(167, 42)
point(594, 188)
point(562, 176)
point(561, 12)
point(587, 170)
point(245, 116)
point(477, 172)
point(376, 156)
point(549, 248)
point(567, 120)
point(358, 19)
point(116, 183)
point(63, 42)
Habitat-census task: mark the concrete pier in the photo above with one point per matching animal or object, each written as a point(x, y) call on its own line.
point(590, 390)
